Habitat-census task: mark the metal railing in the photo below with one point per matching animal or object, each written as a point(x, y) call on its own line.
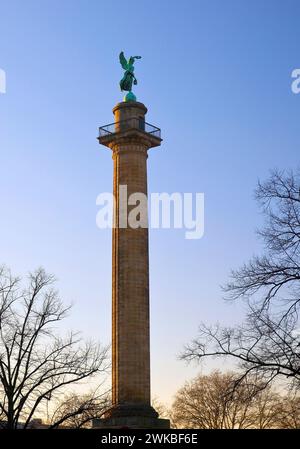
point(131, 123)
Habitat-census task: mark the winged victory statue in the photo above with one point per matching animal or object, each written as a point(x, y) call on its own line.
point(128, 77)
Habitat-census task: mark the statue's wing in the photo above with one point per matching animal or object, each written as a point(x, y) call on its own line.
point(123, 61)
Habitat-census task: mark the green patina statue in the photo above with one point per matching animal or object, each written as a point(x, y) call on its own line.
point(128, 78)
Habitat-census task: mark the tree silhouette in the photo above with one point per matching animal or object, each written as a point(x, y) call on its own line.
point(268, 342)
point(36, 363)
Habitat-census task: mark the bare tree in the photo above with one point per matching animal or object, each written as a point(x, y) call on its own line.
point(289, 418)
point(267, 407)
point(268, 342)
point(214, 402)
point(36, 363)
point(77, 411)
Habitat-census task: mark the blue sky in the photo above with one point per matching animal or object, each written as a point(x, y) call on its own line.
point(215, 77)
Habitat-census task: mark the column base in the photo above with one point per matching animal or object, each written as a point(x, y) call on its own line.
point(133, 416)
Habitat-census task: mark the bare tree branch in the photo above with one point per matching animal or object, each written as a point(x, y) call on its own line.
point(36, 363)
point(268, 342)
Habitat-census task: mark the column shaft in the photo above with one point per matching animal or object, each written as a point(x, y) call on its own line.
point(130, 296)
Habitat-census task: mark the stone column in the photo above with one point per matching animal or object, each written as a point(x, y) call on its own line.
point(130, 275)
point(129, 142)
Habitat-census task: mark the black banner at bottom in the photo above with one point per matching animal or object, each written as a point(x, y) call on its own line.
point(131, 438)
